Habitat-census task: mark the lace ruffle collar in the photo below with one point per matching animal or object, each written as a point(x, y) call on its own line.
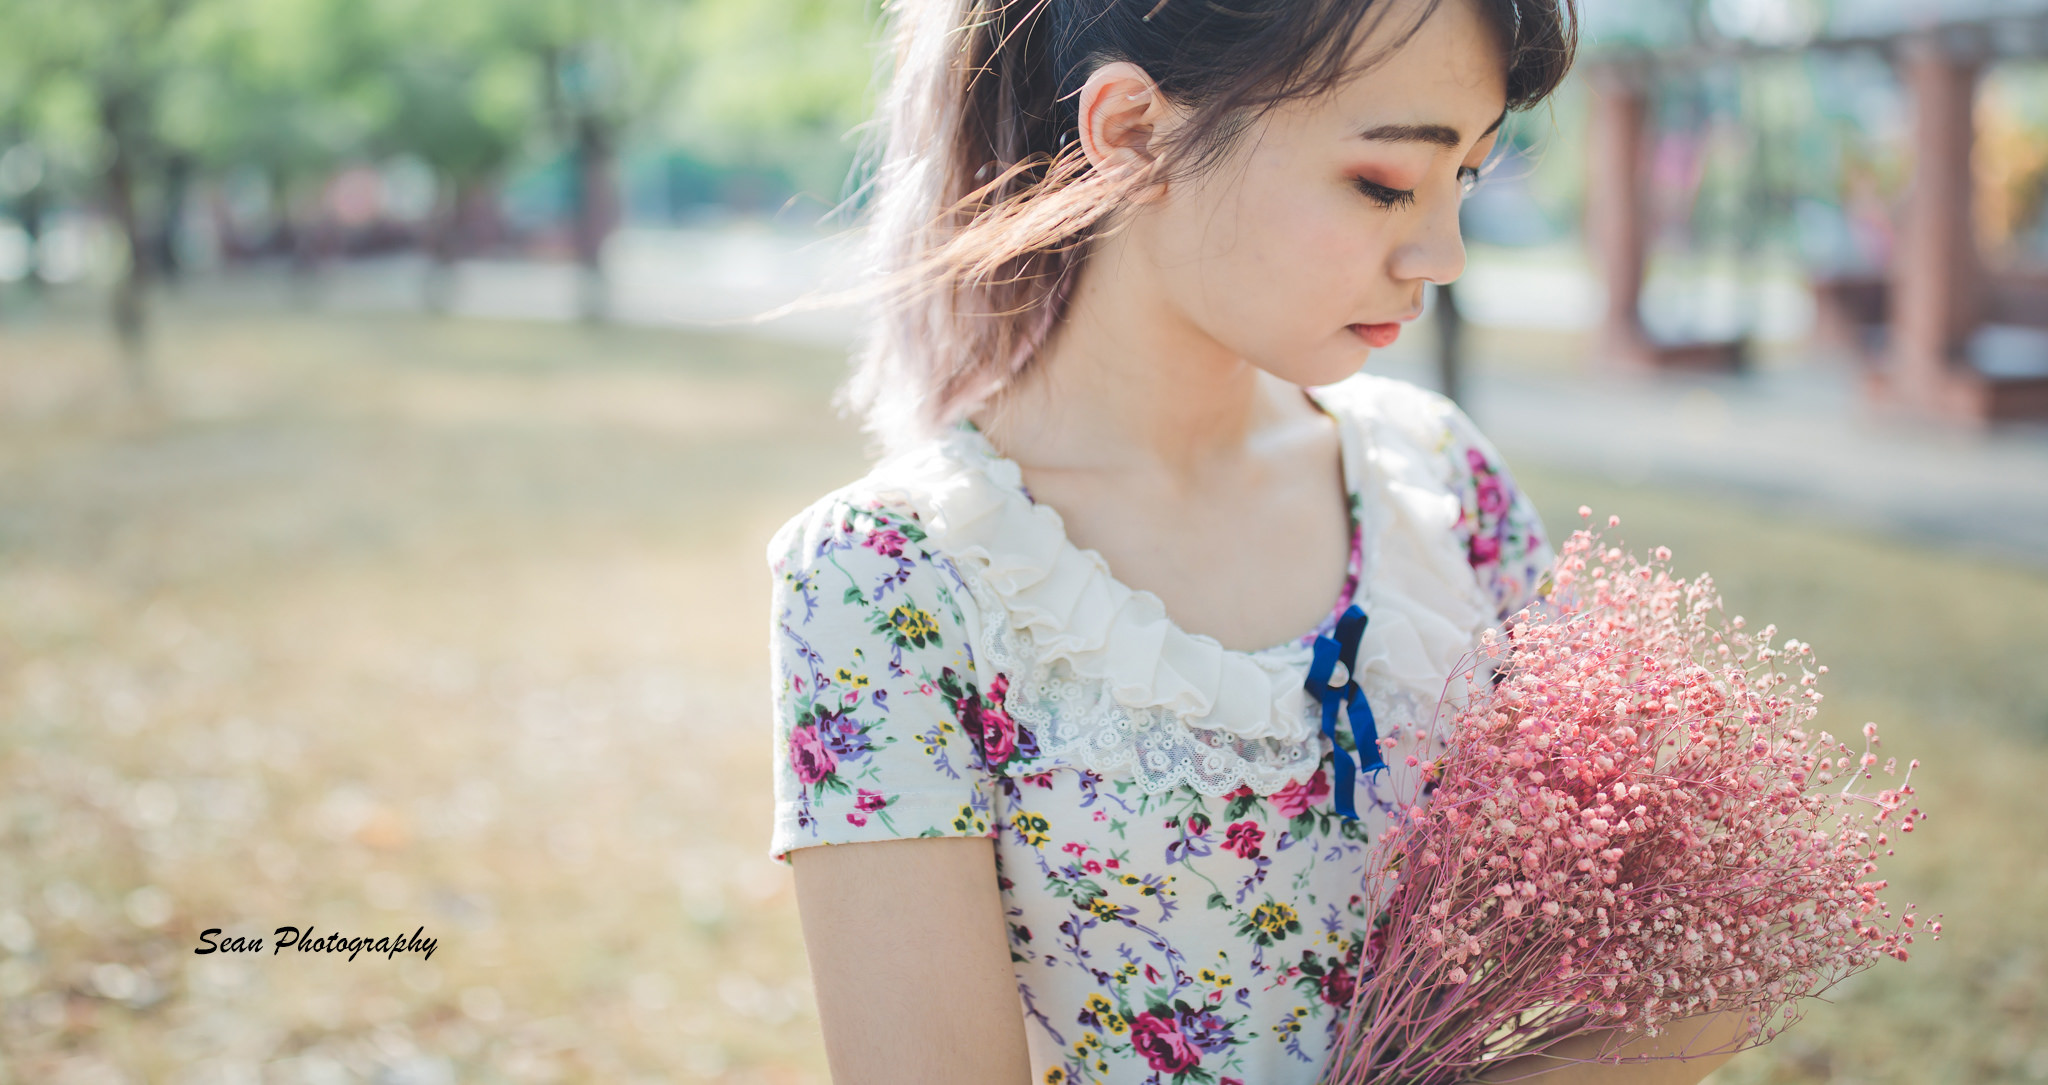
point(1216, 717)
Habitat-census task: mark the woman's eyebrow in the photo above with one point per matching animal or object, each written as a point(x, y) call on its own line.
point(1440, 135)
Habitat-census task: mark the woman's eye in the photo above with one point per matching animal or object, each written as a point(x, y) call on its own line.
point(1384, 196)
point(1468, 179)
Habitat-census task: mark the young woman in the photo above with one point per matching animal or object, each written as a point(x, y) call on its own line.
point(1041, 674)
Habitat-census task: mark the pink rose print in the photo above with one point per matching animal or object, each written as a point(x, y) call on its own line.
point(995, 735)
point(1159, 1039)
point(1299, 798)
point(1337, 985)
point(1493, 497)
point(1485, 550)
point(887, 542)
point(998, 735)
point(870, 801)
point(1244, 838)
point(808, 755)
point(997, 730)
point(856, 817)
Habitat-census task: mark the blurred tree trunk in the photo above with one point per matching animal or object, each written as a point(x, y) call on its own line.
point(169, 235)
point(130, 310)
point(444, 237)
point(464, 220)
point(1450, 345)
point(29, 210)
point(597, 210)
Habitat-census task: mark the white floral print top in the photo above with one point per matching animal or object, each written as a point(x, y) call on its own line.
point(1184, 902)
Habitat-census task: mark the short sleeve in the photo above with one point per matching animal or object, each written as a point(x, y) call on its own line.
point(871, 663)
point(1498, 525)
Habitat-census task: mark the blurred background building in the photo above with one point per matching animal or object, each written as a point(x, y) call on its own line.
point(387, 444)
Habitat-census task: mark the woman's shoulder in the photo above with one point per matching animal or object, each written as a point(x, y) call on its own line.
point(1427, 442)
point(1399, 411)
point(883, 511)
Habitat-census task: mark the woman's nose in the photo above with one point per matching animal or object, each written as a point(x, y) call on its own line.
point(1435, 252)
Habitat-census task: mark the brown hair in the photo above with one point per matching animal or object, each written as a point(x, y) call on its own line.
point(982, 204)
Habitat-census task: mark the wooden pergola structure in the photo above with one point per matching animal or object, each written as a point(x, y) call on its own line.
point(1938, 293)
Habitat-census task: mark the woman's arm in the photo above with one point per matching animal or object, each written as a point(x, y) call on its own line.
point(912, 962)
point(1693, 1034)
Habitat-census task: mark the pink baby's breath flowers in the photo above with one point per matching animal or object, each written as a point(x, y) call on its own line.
point(1633, 824)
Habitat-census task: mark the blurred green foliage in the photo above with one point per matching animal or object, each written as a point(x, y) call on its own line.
point(298, 88)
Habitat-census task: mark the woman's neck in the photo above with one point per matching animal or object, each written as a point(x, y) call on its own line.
point(1127, 380)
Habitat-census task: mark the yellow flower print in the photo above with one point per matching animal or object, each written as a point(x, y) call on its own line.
point(1273, 917)
point(1055, 1076)
point(1104, 909)
point(1215, 979)
point(970, 822)
point(913, 624)
point(843, 675)
point(1292, 1022)
point(1270, 922)
point(1035, 830)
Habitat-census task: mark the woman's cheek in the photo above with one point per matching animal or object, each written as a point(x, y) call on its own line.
point(1331, 257)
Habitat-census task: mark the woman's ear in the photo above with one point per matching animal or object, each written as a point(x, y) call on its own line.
point(1123, 116)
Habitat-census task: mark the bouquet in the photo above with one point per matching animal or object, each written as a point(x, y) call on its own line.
point(1632, 824)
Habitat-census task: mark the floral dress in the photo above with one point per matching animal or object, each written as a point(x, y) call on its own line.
point(1185, 903)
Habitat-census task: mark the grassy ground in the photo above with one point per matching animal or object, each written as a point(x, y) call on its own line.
point(386, 623)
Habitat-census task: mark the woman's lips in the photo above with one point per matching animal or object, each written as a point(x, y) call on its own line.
point(1377, 335)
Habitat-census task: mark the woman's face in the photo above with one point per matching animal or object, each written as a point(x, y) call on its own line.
point(1310, 244)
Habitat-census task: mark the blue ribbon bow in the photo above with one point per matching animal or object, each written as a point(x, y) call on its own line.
point(1365, 733)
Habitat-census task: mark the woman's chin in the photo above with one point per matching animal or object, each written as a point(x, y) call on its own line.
point(1332, 366)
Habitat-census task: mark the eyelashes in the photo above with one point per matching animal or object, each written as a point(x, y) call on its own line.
point(1388, 198)
point(1394, 199)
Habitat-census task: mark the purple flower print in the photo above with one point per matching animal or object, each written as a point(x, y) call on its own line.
point(843, 736)
point(1205, 1030)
